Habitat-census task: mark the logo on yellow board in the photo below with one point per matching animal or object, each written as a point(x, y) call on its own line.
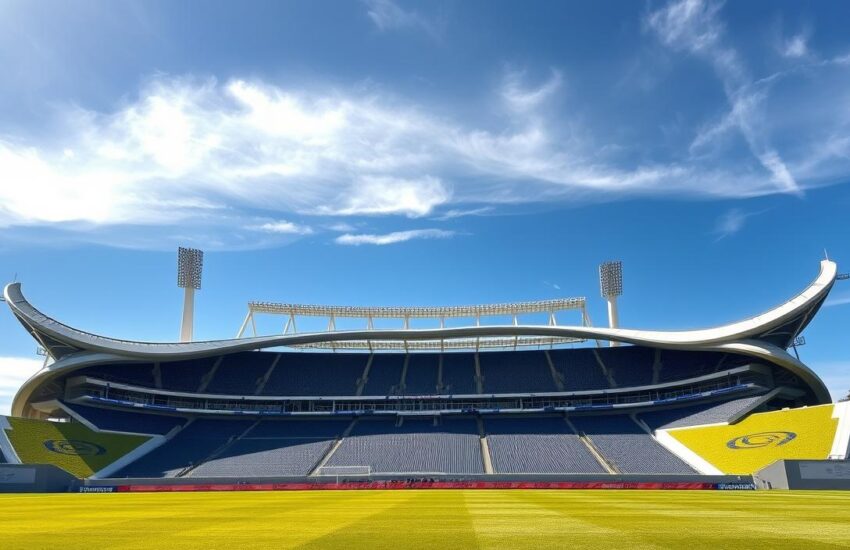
point(74, 447)
point(761, 439)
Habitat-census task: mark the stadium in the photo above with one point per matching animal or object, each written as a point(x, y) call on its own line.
point(476, 403)
point(471, 418)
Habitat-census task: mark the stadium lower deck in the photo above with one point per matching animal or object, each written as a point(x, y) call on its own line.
point(459, 519)
point(160, 421)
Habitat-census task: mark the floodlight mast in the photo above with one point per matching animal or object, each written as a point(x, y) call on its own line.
point(190, 265)
point(611, 286)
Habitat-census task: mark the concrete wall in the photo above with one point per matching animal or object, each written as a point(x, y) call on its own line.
point(35, 478)
point(805, 474)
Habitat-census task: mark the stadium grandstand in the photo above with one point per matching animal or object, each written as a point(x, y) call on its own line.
point(475, 401)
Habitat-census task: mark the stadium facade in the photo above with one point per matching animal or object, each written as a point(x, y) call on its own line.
point(428, 402)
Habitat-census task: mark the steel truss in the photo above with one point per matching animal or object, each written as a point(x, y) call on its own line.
point(439, 315)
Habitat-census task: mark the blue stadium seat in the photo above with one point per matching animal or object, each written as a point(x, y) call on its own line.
point(421, 378)
point(240, 373)
point(579, 369)
point(516, 372)
point(626, 445)
point(275, 448)
point(458, 373)
point(629, 365)
point(694, 415)
point(384, 374)
point(124, 373)
point(190, 447)
point(417, 446)
point(319, 374)
point(538, 445)
point(127, 421)
point(185, 376)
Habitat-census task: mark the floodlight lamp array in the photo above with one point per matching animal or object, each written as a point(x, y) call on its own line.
point(190, 265)
point(611, 279)
point(484, 342)
point(437, 312)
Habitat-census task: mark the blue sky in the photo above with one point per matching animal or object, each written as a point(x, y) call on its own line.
point(383, 152)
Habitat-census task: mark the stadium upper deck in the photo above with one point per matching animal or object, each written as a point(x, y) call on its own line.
point(230, 376)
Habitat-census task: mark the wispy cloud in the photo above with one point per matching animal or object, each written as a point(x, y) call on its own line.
point(387, 15)
point(283, 226)
point(694, 26)
point(555, 286)
point(523, 98)
point(730, 222)
point(393, 238)
point(252, 163)
point(14, 371)
point(796, 47)
point(460, 213)
point(381, 195)
point(838, 300)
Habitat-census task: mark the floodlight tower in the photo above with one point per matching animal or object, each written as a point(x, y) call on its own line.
point(190, 264)
point(611, 286)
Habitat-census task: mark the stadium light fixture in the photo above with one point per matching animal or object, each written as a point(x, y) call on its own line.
point(611, 286)
point(190, 266)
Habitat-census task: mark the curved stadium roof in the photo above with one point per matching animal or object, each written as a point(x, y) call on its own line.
point(765, 336)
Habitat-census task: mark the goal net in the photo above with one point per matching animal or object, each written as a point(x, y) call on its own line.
point(339, 471)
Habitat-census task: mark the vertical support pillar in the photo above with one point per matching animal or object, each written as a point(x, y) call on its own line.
point(186, 328)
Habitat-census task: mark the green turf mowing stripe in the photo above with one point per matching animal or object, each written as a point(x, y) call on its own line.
point(480, 519)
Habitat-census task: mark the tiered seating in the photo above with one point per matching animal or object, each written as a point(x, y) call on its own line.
point(191, 446)
point(421, 376)
point(275, 448)
point(696, 415)
point(679, 365)
point(458, 373)
point(415, 447)
point(185, 375)
point(578, 369)
point(124, 421)
point(629, 365)
point(240, 373)
point(625, 445)
point(384, 374)
point(309, 374)
point(516, 371)
point(538, 445)
point(129, 373)
point(71, 446)
point(763, 438)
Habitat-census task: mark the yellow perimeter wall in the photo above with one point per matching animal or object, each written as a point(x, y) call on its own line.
point(71, 446)
point(813, 427)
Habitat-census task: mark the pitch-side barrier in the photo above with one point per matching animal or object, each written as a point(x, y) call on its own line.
point(417, 484)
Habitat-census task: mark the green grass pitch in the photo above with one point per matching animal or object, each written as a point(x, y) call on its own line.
point(511, 519)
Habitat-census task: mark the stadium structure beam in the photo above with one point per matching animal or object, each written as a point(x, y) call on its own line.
point(190, 266)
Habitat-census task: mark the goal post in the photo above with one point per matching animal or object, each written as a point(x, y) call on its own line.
point(341, 471)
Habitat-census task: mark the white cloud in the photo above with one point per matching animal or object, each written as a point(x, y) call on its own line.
point(388, 15)
point(694, 26)
point(460, 213)
point(14, 371)
point(341, 227)
point(216, 162)
point(796, 47)
point(521, 98)
point(390, 195)
point(283, 226)
point(838, 300)
point(731, 222)
point(392, 238)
